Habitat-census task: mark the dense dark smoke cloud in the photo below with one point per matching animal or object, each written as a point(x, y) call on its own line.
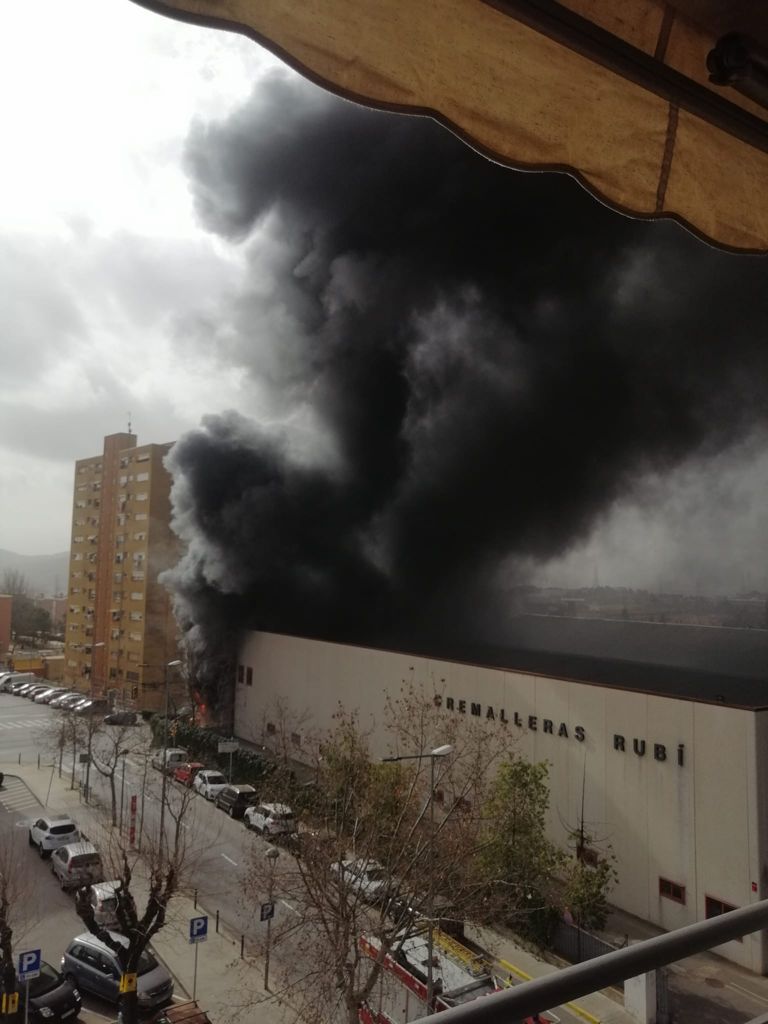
point(461, 365)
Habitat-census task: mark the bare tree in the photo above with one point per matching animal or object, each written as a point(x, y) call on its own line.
point(381, 852)
point(146, 883)
point(14, 902)
point(109, 746)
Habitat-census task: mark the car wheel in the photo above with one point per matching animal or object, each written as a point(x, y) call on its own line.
point(44, 854)
point(231, 812)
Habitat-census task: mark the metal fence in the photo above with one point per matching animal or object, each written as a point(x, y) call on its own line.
point(576, 945)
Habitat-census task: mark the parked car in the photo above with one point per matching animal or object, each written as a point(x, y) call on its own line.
point(57, 700)
point(235, 799)
point(185, 773)
point(19, 688)
point(208, 783)
point(174, 756)
point(51, 831)
point(95, 968)
point(367, 877)
point(52, 998)
point(121, 718)
point(32, 691)
point(92, 706)
point(47, 694)
point(102, 898)
point(271, 819)
point(76, 865)
point(68, 700)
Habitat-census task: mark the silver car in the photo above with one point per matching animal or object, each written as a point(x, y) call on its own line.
point(91, 965)
point(76, 865)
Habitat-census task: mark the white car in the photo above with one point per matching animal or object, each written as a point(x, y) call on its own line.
point(52, 831)
point(366, 877)
point(271, 819)
point(209, 783)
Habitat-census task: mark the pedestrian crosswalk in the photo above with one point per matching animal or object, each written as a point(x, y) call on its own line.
point(16, 796)
point(22, 723)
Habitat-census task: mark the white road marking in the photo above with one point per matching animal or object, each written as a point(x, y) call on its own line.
point(293, 909)
point(748, 992)
point(232, 862)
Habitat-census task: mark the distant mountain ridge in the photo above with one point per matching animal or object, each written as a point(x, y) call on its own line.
point(45, 574)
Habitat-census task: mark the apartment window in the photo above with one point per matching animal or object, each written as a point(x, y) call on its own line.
point(123, 481)
point(78, 540)
point(120, 538)
point(136, 595)
point(140, 515)
point(140, 536)
point(77, 557)
point(80, 522)
point(121, 519)
point(241, 673)
point(118, 577)
point(141, 477)
point(249, 676)
point(82, 487)
point(124, 461)
point(137, 575)
point(144, 457)
point(119, 558)
point(115, 634)
point(672, 890)
point(714, 907)
point(136, 617)
point(132, 677)
point(142, 496)
point(80, 504)
point(135, 637)
point(271, 728)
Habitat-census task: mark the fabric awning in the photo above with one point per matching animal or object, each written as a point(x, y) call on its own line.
point(616, 92)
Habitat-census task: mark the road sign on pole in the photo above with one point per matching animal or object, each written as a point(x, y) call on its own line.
point(198, 929)
point(29, 964)
point(198, 932)
point(267, 911)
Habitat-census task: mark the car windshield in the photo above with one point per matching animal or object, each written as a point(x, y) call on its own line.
point(47, 981)
point(216, 780)
point(86, 860)
point(375, 874)
point(61, 830)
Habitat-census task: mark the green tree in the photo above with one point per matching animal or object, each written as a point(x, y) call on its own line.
point(523, 865)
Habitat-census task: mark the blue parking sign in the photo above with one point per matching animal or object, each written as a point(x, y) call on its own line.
point(198, 929)
point(29, 964)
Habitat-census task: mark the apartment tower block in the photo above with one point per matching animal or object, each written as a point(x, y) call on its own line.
point(120, 632)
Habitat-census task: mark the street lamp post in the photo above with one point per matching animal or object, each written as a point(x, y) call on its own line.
point(170, 664)
point(272, 853)
point(433, 755)
point(90, 731)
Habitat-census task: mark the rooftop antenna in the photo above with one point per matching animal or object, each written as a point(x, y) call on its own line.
point(129, 422)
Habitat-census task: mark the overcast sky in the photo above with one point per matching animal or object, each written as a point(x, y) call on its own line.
point(104, 265)
point(101, 257)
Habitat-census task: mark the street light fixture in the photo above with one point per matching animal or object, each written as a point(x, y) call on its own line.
point(271, 853)
point(433, 755)
point(170, 664)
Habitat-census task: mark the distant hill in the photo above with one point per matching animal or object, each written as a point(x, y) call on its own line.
point(45, 574)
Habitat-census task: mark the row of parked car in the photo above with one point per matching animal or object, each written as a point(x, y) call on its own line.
point(240, 801)
point(87, 963)
point(41, 691)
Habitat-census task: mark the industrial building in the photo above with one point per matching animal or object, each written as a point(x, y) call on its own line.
point(656, 737)
point(120, 631)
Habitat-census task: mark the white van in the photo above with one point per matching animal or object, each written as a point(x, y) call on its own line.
point(7, 679)
point(174, 756)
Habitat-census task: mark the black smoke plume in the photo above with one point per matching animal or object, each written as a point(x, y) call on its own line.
point(460, 366)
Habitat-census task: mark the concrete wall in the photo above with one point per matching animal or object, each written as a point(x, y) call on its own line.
point(671, 784)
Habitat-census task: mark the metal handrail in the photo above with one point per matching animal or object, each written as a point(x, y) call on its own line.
point(543, 994)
